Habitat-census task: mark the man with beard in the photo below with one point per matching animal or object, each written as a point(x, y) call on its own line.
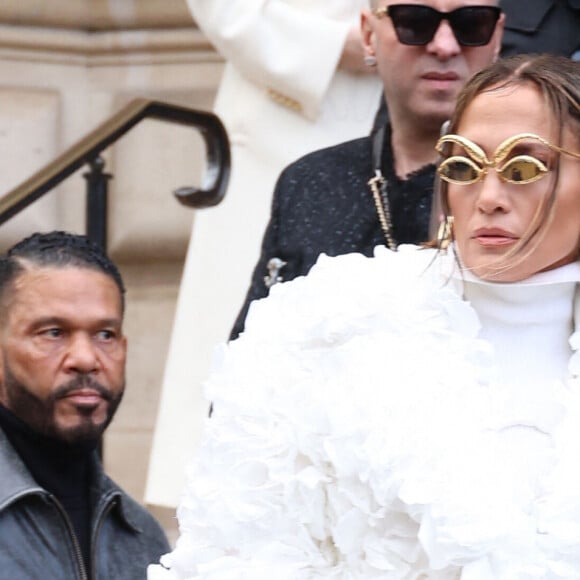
point(62, 377)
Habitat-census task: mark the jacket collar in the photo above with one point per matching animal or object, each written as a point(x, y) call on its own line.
point(107, 493)
point(17, 482)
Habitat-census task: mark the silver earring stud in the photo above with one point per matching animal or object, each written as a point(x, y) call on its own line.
point(370, 60)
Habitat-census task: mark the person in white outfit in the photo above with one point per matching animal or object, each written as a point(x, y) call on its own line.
point(294, 81)
point(416, 414)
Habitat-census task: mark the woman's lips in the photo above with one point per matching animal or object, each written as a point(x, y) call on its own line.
point(490, 237)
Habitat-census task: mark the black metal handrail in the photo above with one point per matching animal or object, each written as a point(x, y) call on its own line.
point(87, 150)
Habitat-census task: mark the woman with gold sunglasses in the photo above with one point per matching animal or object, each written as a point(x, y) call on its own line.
point(416, 415)
point(510, 162)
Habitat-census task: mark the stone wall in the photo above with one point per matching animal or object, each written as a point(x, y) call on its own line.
point(91, 15)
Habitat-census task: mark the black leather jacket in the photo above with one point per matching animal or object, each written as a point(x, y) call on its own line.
point(37, 539)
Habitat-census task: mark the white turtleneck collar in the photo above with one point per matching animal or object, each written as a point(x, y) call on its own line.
point(529, 323)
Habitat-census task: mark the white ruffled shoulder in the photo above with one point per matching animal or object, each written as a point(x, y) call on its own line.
point(355, 435)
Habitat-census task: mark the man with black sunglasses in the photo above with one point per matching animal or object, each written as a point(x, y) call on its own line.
point(378, 189)
point(539, 26)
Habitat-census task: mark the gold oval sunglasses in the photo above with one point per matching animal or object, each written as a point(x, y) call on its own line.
point(521, 159)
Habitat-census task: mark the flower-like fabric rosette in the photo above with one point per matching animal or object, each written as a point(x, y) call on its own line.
point(298, 471)
point(357, 413)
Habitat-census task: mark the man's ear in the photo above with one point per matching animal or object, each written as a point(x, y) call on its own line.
point(124, 345)
point(498, 36)
point(367, 32)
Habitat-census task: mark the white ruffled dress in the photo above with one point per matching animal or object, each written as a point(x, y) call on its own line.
point(369, 424)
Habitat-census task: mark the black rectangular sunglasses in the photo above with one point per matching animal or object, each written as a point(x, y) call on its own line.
point(416, 24)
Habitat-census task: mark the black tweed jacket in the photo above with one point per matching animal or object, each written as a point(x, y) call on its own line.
point(322, 204)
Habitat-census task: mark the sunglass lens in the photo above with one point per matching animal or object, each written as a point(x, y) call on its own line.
point(474, 25)
point(414, 24)
point(457, 170)
point(523, 169)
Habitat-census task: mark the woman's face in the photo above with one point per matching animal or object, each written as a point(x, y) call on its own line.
point(491, 216)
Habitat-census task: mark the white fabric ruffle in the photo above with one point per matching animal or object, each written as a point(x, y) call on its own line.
point(360, 432)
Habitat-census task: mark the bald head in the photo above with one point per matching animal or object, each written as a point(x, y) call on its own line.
point(374, 4)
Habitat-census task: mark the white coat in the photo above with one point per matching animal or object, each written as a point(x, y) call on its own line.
point(281, 97)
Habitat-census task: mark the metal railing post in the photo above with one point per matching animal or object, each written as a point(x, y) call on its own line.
point(97, 202)
point(96, 216)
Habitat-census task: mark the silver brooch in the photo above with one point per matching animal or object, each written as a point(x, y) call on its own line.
point(274, 267)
